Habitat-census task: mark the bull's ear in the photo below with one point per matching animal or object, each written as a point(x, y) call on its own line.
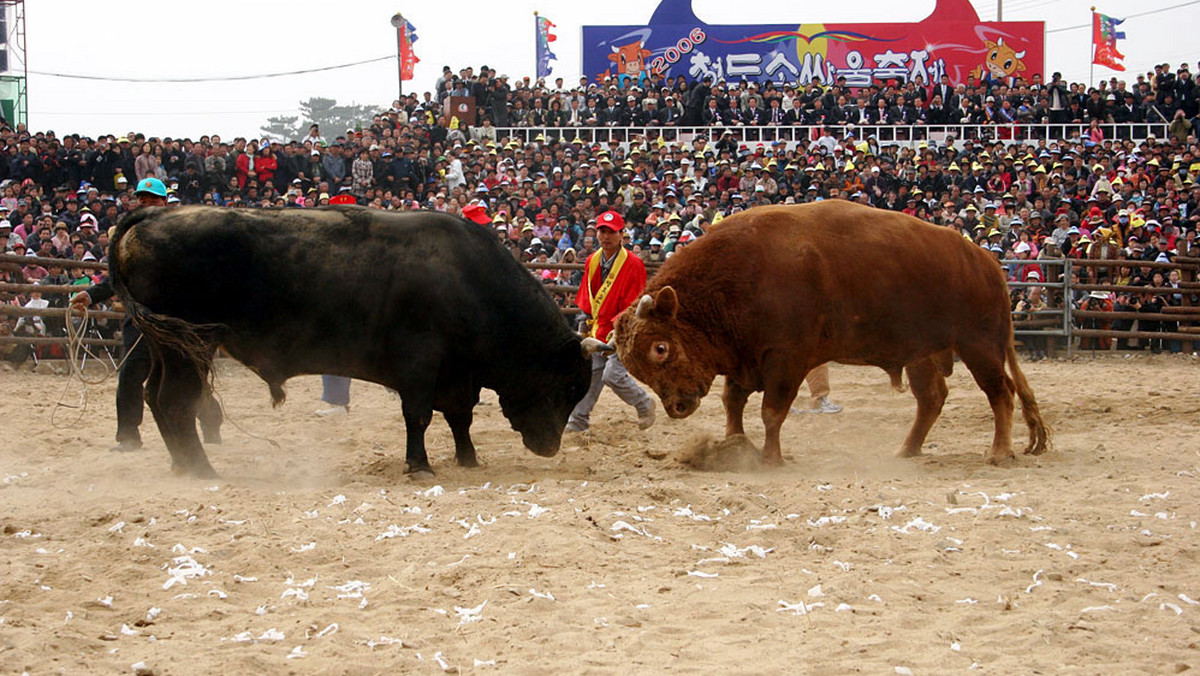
point(666, 303)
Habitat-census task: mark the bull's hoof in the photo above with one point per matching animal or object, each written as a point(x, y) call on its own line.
point(204, 471)
point(467, 462)
point(1035, 449)
point(998, 460)
point(419, 472)
point(908, 452)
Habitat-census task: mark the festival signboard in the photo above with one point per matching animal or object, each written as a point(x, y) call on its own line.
point(952, 41)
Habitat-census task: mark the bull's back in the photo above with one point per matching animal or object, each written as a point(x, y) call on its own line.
point(848, 281)
point(241, 268)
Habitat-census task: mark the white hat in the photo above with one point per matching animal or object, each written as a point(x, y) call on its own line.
point(1021, 247)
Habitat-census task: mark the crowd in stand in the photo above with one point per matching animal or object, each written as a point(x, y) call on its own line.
point(1081, 191)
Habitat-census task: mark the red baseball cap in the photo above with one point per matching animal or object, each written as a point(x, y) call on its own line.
point(611, 220)
point(476, 213)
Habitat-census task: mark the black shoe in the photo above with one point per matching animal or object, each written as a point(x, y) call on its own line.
point(127, 446)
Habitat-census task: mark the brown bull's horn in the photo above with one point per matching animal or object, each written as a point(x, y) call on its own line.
point(590, 346)
point(645, 305)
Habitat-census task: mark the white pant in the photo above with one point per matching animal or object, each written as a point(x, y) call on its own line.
point(608, 370)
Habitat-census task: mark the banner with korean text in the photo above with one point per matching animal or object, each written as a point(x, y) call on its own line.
point(951, 41)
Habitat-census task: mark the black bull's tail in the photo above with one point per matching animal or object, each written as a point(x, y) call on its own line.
point(194, 343)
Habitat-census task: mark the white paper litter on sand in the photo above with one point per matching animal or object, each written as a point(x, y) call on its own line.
point(468, 615)
point(185, 568)
point(800, 608)
point(918, 524)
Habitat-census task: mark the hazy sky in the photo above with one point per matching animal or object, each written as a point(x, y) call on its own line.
point(224, 38)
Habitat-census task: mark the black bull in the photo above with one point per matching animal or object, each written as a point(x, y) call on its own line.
point(424, 303)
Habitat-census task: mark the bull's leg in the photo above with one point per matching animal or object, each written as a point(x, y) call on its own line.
point(777, 403)
point(734, 397)
point(986, 364)
point(210, 417)
point(418, 411)
point(174, 396)
point(929, 387)
point(460, 427)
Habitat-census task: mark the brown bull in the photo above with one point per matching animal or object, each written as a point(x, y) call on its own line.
point(776, 291)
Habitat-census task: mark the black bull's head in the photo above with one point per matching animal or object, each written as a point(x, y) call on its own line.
point(664, 352)
point(541, 415)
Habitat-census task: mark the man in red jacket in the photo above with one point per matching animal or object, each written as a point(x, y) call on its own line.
point(613, 280)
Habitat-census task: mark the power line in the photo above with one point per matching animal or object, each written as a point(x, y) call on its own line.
point(1128, 16)
point(232, 78)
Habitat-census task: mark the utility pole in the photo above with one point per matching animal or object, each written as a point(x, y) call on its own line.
point(999, 10)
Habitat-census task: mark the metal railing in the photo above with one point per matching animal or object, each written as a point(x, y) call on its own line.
point(904, 135)
point(1061, 320)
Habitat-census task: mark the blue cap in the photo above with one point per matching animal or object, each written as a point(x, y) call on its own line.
point(152, 186)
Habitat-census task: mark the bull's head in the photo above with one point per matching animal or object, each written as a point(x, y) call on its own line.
point(663, 352)
point(1002, 60)
point(539, 409)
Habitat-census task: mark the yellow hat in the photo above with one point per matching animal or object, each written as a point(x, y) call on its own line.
point(993, 233)
point(1136, 221)
point(975, 166)
point(1040, 170)
point(849, 166)
point(1152, 163)
point(954, 166)
point(1085, 238)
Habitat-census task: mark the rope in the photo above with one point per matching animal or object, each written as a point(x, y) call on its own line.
point(77, 352)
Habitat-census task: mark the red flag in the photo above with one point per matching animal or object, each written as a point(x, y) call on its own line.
point(1104, 41)
point(408, 60)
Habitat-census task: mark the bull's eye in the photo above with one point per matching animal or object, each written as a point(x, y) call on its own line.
point(660, 352)
point(1008, 65)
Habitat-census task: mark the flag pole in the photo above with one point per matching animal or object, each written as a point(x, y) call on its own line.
point(1092, 59)
point(398, 22)
point(537, 38)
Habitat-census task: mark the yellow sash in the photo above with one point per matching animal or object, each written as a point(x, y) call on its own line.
point(597, 300)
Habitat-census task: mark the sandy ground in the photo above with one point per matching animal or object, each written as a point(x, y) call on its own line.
point(322, 557)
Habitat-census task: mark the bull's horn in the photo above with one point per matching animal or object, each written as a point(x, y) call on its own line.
point(645, 305)
point(615, 50)
point(1000, 42)
point(1020, 54)
point(591, 346)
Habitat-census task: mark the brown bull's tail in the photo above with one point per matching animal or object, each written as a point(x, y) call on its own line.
point(1039, 433)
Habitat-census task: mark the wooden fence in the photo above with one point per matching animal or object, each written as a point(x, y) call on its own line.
point(1061, 323)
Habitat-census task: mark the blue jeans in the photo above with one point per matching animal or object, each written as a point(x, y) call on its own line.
point(335, 390)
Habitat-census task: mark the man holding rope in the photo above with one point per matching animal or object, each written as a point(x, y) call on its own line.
point(611, 269)
point(135, 367)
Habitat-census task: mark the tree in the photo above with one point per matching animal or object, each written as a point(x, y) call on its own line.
point(326, 113)
point(334, 119)
point(282, 127)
